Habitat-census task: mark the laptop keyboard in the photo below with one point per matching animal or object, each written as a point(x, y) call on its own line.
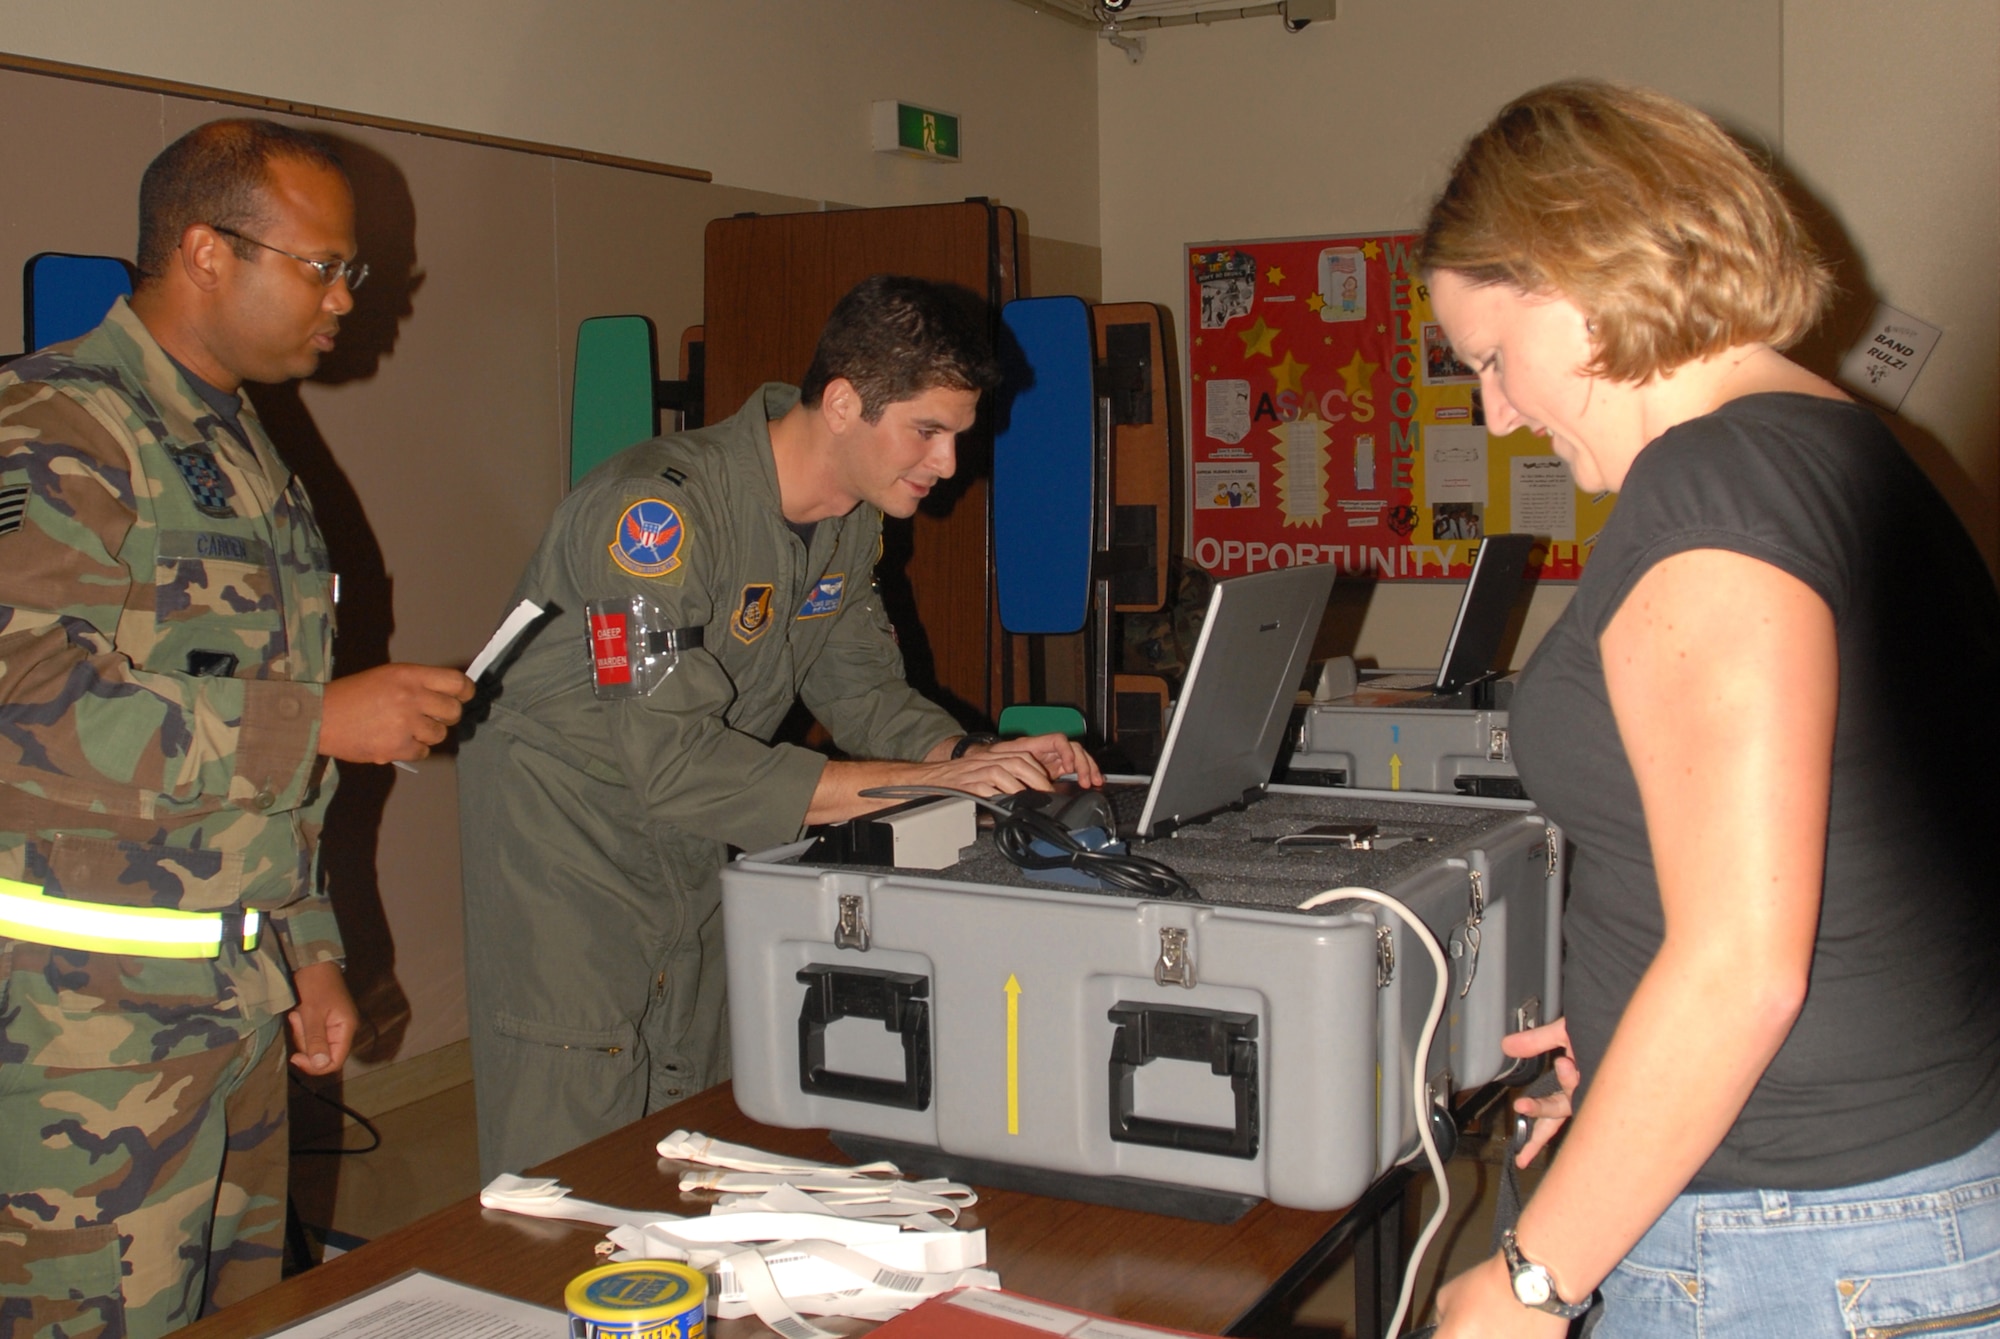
point(1127, 804)
point(1402, 682)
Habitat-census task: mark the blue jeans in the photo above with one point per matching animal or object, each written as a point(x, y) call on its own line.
point(1916, 1254)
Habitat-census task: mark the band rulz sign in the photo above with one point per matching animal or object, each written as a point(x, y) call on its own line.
point(923, 132)
point(1331, 423)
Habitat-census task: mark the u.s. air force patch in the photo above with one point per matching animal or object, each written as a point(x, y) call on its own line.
point(824, 597)
point(650, 538)
point(752, 616)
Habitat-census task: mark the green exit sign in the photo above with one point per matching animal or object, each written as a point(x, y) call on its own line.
point(921, 132)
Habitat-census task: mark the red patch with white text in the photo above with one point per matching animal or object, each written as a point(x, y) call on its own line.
point(610, 654)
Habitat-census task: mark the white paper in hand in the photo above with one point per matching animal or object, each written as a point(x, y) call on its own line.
point(511, 628)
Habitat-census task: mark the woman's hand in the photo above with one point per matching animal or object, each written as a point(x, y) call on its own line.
point(1480, 1303)
point(1549, 1112)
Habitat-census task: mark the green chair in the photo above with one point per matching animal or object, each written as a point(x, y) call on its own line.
point(1028, 719)
point(612, 402)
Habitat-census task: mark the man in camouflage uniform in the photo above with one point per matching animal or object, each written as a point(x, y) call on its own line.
point(594, 827)
point(167, 716)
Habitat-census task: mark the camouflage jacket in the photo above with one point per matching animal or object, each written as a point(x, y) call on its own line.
point(166, 627)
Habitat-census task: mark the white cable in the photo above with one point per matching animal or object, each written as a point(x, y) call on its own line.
point(1419, 1082)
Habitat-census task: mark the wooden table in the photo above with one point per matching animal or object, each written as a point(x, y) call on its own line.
point(1137, 1266)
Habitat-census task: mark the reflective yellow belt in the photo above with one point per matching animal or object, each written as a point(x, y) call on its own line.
point(27, 912)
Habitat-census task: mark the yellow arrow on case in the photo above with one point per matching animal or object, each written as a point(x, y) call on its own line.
point(1013, 1054)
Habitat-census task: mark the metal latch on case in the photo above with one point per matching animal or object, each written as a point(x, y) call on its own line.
point(1176, 965)
point(851, 930)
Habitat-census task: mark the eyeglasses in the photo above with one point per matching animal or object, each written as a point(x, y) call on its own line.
point(330, 272)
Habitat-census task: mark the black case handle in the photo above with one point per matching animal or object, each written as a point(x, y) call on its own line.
point(897, 1000)
point(1227, 1042)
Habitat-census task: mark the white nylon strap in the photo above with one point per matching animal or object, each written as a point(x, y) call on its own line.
point(545, 1198)
point(662, 1236)
point(810, 1270)
point(820, 1181)
point(821, 1278)
point(895, 1201)
point(761, 1289)
point(692, 1147)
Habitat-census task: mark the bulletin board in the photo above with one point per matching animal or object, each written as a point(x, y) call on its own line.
point(1330, 423)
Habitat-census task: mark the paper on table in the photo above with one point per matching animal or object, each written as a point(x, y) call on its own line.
point(437, 1308)
point(511, 628)
point(989, 1313)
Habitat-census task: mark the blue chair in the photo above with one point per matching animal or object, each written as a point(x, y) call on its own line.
point(67, 295)
point(1044, 468)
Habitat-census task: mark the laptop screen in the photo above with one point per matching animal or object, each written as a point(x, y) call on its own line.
point(1230, 720)
point(1489, 598)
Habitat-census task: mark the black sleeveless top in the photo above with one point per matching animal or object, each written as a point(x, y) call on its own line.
point(1895, 1061)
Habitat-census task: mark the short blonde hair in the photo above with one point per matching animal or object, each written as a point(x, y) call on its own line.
point(1642, 212)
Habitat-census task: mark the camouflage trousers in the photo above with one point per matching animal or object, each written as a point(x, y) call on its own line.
point(143, 1144)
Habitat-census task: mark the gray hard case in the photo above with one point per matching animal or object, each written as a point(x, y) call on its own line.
point(1232, 1044)
point(1437, 749)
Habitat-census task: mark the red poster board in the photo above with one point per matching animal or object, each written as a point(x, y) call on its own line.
point(1330, 423)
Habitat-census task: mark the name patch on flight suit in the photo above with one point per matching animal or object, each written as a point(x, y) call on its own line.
point(824, 597)
point(649, 539)
point(205, 480)
point(752, 616)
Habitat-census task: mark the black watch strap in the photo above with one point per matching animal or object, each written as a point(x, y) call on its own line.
point(971, 741)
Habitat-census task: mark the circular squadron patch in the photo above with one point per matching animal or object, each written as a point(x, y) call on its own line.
point(649, 540)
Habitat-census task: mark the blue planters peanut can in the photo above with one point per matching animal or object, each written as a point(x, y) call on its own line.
point(642, 1299)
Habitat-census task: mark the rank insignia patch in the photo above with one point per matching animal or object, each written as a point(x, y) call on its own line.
point(752, 617)
point(824, 598)
point(205, 480)
point(13, 507)
point(649, 540)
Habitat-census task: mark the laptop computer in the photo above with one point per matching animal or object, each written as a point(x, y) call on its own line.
point(1498, 570)
point(1229, 722)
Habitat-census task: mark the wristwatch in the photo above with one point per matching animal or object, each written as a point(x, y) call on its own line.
point(1532, 1284)
point(971, 741)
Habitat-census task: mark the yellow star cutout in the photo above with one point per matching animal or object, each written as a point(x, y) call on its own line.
point(1314, 302)
point(1358, 374)
point(1371, 250)
point(1288, 374)
point(1274, 276)
point(1257, 340)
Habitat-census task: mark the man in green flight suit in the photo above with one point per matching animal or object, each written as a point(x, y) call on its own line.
point(596, 815)
point(168, 718)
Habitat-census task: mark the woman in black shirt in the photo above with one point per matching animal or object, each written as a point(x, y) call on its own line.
point(1782, 1039)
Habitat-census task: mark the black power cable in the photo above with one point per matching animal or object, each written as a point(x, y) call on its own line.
point(1017, 828)
point(344, 1110)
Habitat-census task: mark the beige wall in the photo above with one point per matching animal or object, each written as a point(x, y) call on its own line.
point(770, 95)
point(1241, 130)
point(1895, 128)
